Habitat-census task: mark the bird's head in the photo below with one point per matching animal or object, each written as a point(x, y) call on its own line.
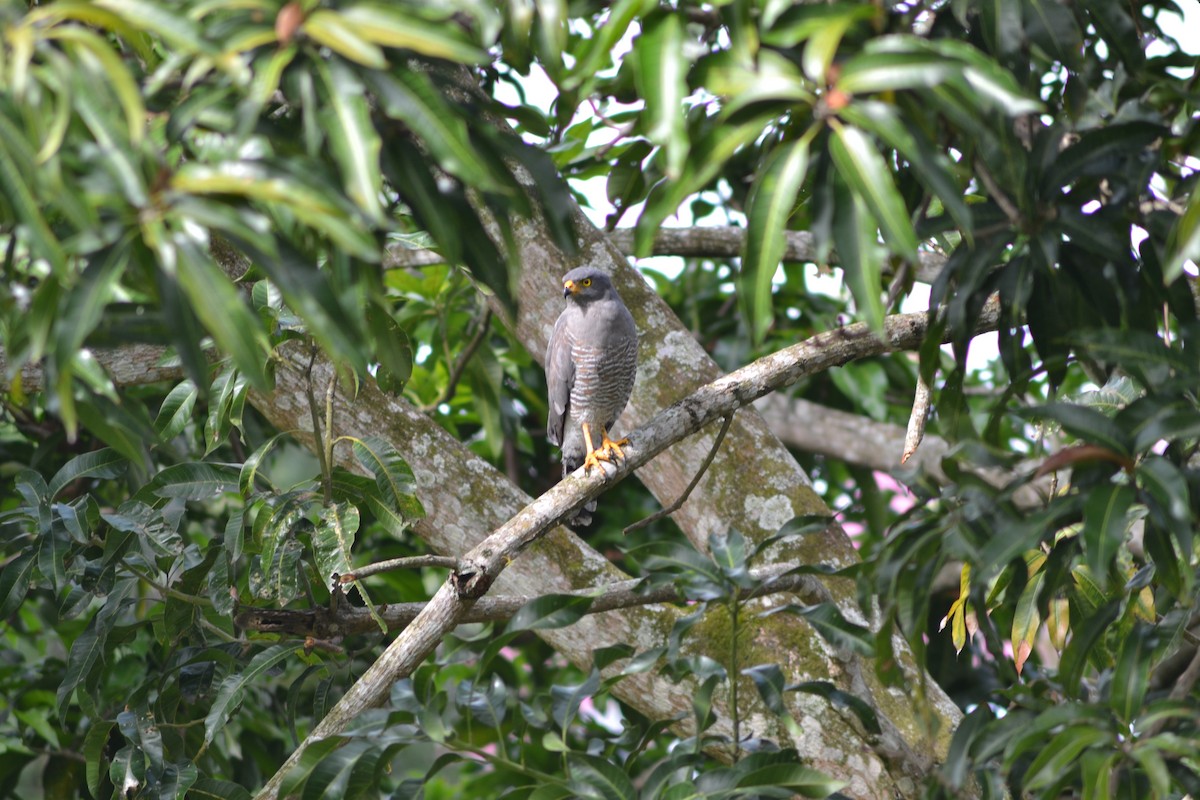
point(586, 283)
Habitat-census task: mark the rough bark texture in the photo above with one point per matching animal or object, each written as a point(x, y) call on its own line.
point(755, 486)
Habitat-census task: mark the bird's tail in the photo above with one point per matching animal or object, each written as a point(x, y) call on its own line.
point(583, 517)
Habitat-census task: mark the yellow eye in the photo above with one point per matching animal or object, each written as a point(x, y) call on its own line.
point(586, 281)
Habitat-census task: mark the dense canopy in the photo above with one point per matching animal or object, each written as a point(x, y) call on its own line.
point(278, 515)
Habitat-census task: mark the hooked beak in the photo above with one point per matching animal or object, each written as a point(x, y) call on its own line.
point(569, 288)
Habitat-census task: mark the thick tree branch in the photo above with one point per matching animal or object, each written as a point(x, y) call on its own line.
point(855, 439)
point(725, 241)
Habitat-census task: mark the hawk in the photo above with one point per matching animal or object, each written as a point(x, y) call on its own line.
point(591, 362)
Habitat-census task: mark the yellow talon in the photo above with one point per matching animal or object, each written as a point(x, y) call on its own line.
point(605, 452)
point(613, 447)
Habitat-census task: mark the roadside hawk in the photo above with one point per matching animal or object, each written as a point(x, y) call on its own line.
point(591, 362)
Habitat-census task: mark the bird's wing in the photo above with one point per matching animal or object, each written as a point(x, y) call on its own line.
point(560, 376)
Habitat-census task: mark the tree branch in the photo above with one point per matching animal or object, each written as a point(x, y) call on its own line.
point(696, 242)
point(346, 620)
point(855, 439)
point(479, 569)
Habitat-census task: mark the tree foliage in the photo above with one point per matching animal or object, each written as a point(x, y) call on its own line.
point(191, 190)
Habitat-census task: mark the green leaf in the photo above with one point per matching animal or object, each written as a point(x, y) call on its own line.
point(595, 52)
point(223, 310)
point(233, 688)
point(828, 621)
point(706, 159)
point(859, 253)
point(177, 781)
point(103, 463)
point(392, 349)
point(14, 150)
point(333, 540)
point(801, 22)
point(94, 743)
point(176, 29)
point(195, 480)
point(386, 24)
point(1156, 771)
point(116, 73)
point(410, 97)
point(14, 582)
point(332, 29)
point(771, 201)
point(393, 476)
point(1058, 756)
point(893, 71)
point(248, 475)
point(661, 77)
point(176, 410)
point(768, 679)
point(864, 711)
point(1084, 638)
point(931, 166)
point(1095, 151)
point(861, 166)
point(1120, 30)
point(1167, 485)
point(216, 789)
point(599, 778)
point(1104, 523)
point(565, 700)
point(1084, 423)
point(305, 196)
point(356, 143)
point(823, 40)
point(332, 775)
point(549, 611)
point(1183, 243)
point(296, 778)
point(793, 777)
point(1131, 678)
point(88, 647)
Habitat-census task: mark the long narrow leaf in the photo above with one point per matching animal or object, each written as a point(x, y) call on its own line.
point(233, 688)
point(356, 143)
point(770, 205)
point(860, 164)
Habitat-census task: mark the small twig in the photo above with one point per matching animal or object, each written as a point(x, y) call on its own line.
point(327, 441)
point(460, 365)
point(1187, 680)
point(412, 562)
point(899, 280)
point(1184, 685)
point(712, 453)
point(318, 439)
point(993, 189)
point(917, 419)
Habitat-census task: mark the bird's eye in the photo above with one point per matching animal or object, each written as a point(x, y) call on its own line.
point(586, 281)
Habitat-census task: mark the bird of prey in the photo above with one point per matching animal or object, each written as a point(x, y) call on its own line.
point(591, 362)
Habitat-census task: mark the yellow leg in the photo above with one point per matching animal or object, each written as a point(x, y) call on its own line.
point(605, 452)
point(592, 459)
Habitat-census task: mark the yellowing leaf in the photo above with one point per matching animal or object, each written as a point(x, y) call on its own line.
point(1059, 622)
point(1026, 621)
